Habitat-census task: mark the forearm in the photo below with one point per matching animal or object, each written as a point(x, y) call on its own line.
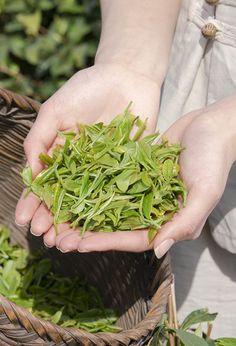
point(223, 121)
point(138, 34)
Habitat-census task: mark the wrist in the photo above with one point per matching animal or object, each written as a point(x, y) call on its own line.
point(134, 57)
point(119, 66)
point(222, 120)
point(138, 35)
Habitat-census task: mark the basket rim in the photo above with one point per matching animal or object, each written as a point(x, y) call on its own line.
point(21, 317)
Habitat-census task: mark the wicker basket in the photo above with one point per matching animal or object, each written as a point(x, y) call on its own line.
point(135, 285)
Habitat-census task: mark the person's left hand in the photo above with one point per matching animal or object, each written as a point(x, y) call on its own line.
point(208, 137)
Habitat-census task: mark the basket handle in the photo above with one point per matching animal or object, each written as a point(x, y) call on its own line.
point(22, 102)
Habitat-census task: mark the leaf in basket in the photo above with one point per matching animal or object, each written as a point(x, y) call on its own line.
point(27, 279)
point(4, 235)
point(29, 282)
point(189, 339)
point(4, 287)
point(11, 278)
point(160, 332)
point(42, 269)
point(197, 316)
point(20, 257)
point(56, 317)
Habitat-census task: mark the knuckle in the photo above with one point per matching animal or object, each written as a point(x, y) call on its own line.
point(189, 231)
point(214, 193)
point(27, 143)
point(195, 235)
point(45, 107)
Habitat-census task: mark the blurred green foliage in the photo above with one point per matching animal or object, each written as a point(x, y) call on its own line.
point(43, 42)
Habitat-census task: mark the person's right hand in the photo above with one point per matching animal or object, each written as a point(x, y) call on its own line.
point(92, 95)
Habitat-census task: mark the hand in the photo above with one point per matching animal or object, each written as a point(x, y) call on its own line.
point(95, 94)
point(209, 138)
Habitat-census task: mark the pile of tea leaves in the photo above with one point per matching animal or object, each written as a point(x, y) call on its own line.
point(29, 282)
point(102, 180)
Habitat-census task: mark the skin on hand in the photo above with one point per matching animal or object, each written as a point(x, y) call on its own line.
point(130, 65)
point(96, 94)
point(209, 138)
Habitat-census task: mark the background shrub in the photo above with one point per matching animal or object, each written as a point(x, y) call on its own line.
point(43, 42)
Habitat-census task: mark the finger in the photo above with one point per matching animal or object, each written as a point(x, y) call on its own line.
point(40, 137)
point(49, 237)
point(41, 221)
point(176, 131)
point(64, 234)
point(187, 224)
point(69, 240)
point(58, 141)
point(134, 241)
point(26, 207)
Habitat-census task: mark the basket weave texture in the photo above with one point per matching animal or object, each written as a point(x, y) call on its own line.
point(137, 286)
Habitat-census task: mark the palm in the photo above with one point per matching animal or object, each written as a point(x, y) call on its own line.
point(99, 93)
point(204, 169)
point(203, 161)
point(92, 95)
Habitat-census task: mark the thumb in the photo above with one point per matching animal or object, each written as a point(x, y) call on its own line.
point(188, 223)
point(40, 137)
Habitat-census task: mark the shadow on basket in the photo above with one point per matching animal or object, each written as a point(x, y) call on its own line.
point(137, 286)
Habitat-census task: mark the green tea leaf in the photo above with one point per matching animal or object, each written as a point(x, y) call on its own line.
point(138, 187)
point(167, 169)
point(46, 159)
point(147, 204)
point(47, 195)
point(107, 160)
point(123, 179)
point(28, 281)
point(189, 339)
point(151, 234)
point(56, 317)
point(197, 316)
point(101, 180)
point(70, 185)
point(225, 342)
point(27, 176)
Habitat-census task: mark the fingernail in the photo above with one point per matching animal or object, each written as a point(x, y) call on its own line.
point(163, 247)
point(63, 251)
point(83, 251)
point(21, 224)
point(47, 245)
point(32, 232)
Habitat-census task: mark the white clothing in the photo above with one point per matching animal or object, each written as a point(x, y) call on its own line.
point(202, 71)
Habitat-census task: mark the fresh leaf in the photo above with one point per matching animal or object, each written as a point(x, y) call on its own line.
point(225, 342)
point(197, 316)
point(101, 180)
point(189, 339)
point(147, 204)
point(27, 176)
